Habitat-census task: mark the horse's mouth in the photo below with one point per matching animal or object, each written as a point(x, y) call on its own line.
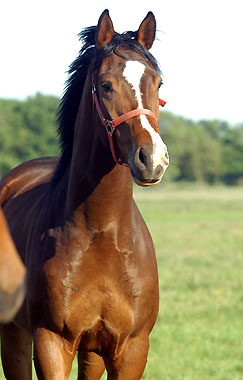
point(143, 181)
point(146, 182)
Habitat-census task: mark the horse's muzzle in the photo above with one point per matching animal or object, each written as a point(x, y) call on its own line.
point(147, 169)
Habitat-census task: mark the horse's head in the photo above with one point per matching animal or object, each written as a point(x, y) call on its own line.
point(128, 79)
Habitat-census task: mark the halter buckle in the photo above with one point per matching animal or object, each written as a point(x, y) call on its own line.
point(109, 127)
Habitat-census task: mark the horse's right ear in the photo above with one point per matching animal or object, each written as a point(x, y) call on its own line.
point(104, 30)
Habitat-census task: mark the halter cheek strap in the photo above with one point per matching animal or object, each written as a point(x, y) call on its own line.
point(110, 125)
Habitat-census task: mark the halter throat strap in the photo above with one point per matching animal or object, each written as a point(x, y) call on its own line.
point(110, 125)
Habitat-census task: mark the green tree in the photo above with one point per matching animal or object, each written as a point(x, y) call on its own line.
point(232, 168)
point(196, 156)
point(27, 130)
point(205, 151)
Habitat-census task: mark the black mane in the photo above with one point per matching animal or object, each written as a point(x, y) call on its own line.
point(69, 105)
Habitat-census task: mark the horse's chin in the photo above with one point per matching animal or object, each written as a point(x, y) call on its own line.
point(146, 183)
point(143, 181)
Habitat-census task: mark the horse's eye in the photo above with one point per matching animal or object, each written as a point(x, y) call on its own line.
point(106, 87)
point(160, 84)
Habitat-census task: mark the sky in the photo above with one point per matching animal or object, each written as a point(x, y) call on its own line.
point(199, 47)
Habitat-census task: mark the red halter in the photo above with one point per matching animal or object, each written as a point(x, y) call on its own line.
point(110, 125)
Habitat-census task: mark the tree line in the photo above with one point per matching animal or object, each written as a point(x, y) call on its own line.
point(208, 151)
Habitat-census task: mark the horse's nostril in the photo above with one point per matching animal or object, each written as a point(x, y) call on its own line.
point(142, 156)
point(158, 171)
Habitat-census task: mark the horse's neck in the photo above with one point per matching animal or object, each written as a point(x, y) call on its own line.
point(110, 201)
point(97, 188)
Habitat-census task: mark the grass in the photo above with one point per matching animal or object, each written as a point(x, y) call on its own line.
point(198, 235)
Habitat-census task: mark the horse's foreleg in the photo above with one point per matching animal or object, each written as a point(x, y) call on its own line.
point(132, 362)
point(53, 355)
point(16, 350)
point(90, 366)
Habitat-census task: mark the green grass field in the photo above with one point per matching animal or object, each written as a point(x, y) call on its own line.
point(198, 235)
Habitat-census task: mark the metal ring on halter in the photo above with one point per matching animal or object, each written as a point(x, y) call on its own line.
point(109, 127)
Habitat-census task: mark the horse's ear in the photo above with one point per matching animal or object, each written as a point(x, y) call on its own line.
point(146, 31)
point(105, 30)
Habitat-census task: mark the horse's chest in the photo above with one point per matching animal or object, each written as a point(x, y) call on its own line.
point(97, 313)
point(99, 295)
point(95, 305)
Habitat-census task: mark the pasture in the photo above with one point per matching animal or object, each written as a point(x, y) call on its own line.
point(198, 235)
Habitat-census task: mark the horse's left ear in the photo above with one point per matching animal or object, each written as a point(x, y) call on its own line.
point(104, 30)
point(146, 31)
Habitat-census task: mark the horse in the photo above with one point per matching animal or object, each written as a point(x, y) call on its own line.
point(92, 281)
point(12, 275)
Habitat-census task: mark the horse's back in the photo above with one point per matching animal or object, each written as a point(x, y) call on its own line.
point(27, 176)
point(21, 191)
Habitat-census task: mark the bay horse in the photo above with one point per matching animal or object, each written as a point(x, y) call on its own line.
point(12, 275)
point(92, 282)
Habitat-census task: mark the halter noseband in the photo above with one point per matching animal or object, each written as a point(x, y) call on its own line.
point(110, 125)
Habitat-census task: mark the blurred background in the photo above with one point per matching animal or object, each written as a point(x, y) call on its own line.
point(196, 215)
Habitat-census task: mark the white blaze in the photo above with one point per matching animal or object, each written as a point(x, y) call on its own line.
point(133, 73)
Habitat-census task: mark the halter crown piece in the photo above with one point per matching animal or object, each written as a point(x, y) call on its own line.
point(110, 125)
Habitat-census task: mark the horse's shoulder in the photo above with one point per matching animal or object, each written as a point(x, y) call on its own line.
point(26, 176)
